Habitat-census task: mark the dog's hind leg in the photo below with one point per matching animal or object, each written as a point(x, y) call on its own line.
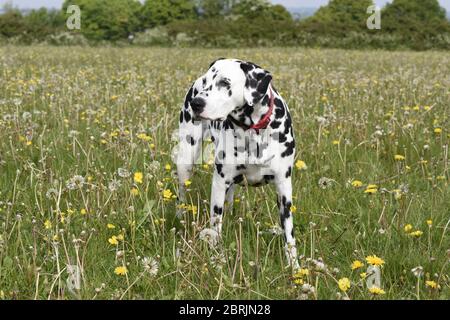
point(284, 190)
point(229, 197)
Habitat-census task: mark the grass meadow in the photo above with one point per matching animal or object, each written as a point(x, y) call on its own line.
point(88, 186)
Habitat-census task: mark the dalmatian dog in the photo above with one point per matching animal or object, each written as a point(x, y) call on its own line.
point(235, 104)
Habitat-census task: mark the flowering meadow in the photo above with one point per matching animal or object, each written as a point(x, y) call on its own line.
point(88, 186)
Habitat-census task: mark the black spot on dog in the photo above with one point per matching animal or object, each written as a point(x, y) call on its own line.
point(181, 116)
point(289, 172)
point(195, 92)
point(227, 124)
point(275, 124)
point(287, 124)
point(190, 139)
point(289, 149)
point(241, 167)
point(269, 177)
point(285, 212)
point(204, 82)
point(219, 168)
point(279, 110)
point(188, 98)
point(221, 155)
point(247, 67)
point(230, 93)
point(217, 210)
point(187, 116)
point(279, 137)
point(264, 84)
point(238, 179)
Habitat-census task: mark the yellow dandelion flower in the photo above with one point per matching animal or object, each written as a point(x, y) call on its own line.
point(83, 211)
point(121, 271)
point(376, 291)
point(399, 157)
point(371, 191)
point(144, 137)
point(110, 226)
point(120, 237)
point(357, 264)
point(138, 177)
point(167, 194)
point(357, 183)
point(301, 165)
point(374, 260)
point(47, 224)
point(363, 275)
point(134, 191)
point(187, 183)
point(301, 273)
point(408, 228)
point(113, 240)
point(438, 131)
point(168, 167)
point(298, 281)
point(336, 142)
point(431, 284)
point(293, 209)
point(416, 234)
point(344, 284)
point(430, 223)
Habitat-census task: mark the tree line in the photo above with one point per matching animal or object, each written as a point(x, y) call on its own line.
point(416, 24)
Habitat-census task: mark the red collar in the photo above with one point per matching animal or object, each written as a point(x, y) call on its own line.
point(264, 122)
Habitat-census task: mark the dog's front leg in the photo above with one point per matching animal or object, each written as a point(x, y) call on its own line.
point(217, 201)
point(284, 189)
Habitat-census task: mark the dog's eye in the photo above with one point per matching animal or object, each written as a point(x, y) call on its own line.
point(224, 82)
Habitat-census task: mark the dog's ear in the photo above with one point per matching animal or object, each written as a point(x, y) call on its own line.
point(215, 62)
point(256, 84)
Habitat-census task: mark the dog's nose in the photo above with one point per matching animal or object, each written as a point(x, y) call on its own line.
point(198, 104)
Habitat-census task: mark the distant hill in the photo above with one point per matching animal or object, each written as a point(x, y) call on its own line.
point(302, 12)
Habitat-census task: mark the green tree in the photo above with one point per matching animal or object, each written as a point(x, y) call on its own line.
point(11, 22)
point(107, 19)
point(260, 9)
point(41, 23)
point(415, 16)
point(212, 8)
point(161, 12)
point(340, 17)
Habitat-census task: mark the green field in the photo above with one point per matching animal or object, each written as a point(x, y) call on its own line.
point(77, 124)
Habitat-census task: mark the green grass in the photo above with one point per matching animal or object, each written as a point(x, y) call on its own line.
point(377, 105)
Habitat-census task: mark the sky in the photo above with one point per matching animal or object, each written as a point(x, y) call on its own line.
point(288, 3)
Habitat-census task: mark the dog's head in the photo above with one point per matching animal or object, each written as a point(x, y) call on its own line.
point(229, 84)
